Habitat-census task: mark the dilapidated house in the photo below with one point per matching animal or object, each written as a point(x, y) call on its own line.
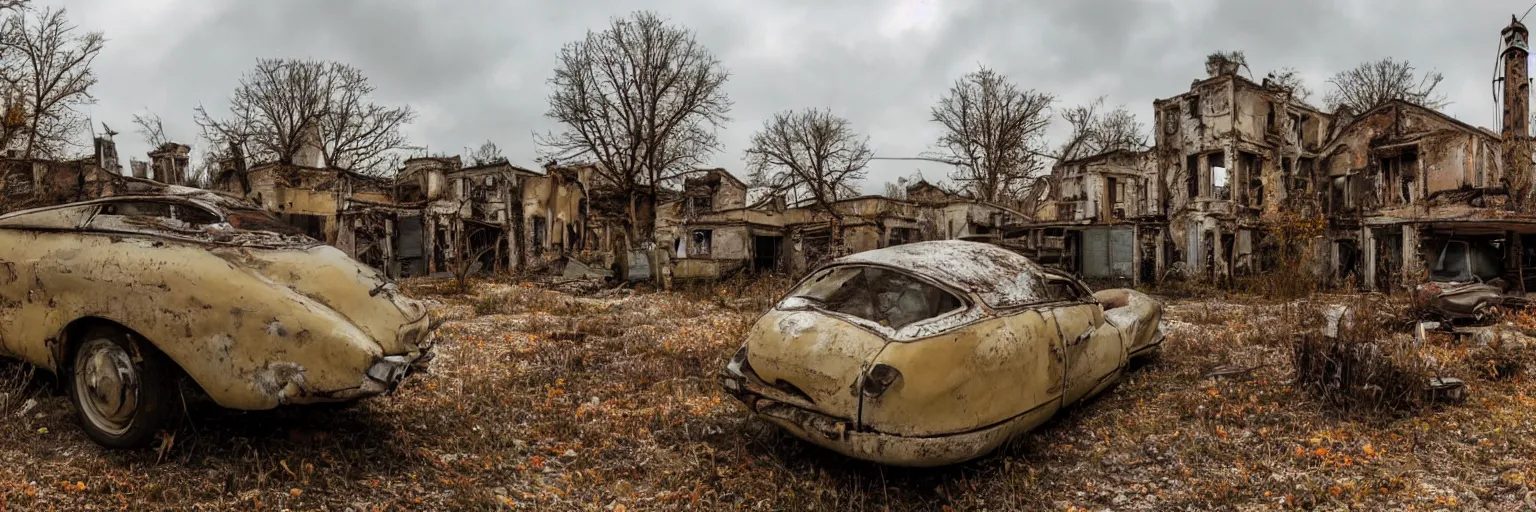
point(555, 213)
point(1226, 152)
point(1400, 189)
point(1102, 217)
point(32, 183)
point(1400, 177)
point(712, 231)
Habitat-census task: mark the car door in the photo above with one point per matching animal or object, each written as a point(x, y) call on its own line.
point(1095, 352)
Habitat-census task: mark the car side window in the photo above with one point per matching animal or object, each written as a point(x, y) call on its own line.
point(152, 216)
point(1059, 288)
point(58, 218)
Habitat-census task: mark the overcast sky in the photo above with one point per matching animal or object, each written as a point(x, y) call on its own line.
point(477, 69)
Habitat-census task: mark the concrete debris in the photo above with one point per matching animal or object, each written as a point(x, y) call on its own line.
point(1447, 389)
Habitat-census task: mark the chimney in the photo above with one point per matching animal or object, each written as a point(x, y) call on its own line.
point(170, 162)
point(311, 153)
point(1517, 107)
point(106, 154)
point(1517, 111)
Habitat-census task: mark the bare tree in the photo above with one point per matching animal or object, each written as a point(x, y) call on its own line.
point(1096, 131)
point(1290, 80)
point(487, 153)
point(1226, 62)
point(52, 76)
point(994, 133)
point(281, 100)
point(152, 128)
point(643, 100)
point(809, 154)
point(1376, 82)
point(357, 133)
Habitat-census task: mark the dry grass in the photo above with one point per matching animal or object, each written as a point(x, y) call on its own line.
point(520, 414)
point(1367, 367)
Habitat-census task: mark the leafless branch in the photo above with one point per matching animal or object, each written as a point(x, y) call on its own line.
point(642, 99)
point(53, 77)
point(1095, 131)
point(487, 153)
point(281, 99)
point(994, 132)
point(152, 128)
point(809, 154)
point(1289, 79)
point(1376, 82)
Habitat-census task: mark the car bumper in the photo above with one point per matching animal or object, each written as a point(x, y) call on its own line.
point(384, 376)
point(891, 449)
point(845, 437)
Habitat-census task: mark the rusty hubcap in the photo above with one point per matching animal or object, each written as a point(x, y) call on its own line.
point(107, 381)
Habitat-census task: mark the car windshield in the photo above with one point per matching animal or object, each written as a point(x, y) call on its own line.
point(1461, 260)
point(256, 220)
point(883, 296)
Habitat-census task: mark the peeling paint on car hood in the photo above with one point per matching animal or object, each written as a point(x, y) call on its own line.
point(376, 306)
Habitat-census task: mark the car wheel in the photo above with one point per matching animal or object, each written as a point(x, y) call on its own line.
point(122, 400)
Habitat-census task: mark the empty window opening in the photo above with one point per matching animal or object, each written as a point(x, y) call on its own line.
point(1218, 166)
point(699, 242)
point(1192, 175)
point(1249, 168)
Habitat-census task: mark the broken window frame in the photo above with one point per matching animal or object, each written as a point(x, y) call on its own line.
point(967, 311)
point(1217, 161)
point(700, 243)
point(1192, 175)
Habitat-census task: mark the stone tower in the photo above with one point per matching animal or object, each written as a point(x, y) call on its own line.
point(1517, 113)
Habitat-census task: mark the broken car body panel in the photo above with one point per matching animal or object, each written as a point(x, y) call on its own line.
point(934, 352)
point(255, 313)
point(1465, 283)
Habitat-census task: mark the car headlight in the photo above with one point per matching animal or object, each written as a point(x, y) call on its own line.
point(879, 378)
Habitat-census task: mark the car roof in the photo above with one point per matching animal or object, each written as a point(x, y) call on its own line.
point(219, 203)
point(1000, 277)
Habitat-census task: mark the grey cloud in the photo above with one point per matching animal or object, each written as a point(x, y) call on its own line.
point(476, 70)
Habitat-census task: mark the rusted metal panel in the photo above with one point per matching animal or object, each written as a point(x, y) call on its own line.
point(895, 358)
point(256, 318)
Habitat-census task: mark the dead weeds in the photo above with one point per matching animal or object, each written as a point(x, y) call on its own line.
point(571, 403)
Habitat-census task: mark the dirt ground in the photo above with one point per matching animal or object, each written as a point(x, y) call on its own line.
point(546, 401)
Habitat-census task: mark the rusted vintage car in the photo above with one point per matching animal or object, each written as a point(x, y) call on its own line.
point(121, 297)
point(1467, 283)
point(933, 353)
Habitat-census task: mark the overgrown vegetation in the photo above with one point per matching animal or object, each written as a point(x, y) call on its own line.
point(557, 402)
point(1360, 364)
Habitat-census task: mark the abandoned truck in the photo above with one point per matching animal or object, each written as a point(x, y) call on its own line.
point(121, 297)
point(933, 353)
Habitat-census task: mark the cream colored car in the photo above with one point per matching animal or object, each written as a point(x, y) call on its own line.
point(933, 353)
point(122, 296)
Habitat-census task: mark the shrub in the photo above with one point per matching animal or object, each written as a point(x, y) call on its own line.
point(1364, 367)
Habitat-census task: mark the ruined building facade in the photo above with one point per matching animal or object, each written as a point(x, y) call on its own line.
point(1394, 188)
point(710, 230)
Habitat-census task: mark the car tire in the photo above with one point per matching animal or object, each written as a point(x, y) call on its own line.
point(122, 401)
